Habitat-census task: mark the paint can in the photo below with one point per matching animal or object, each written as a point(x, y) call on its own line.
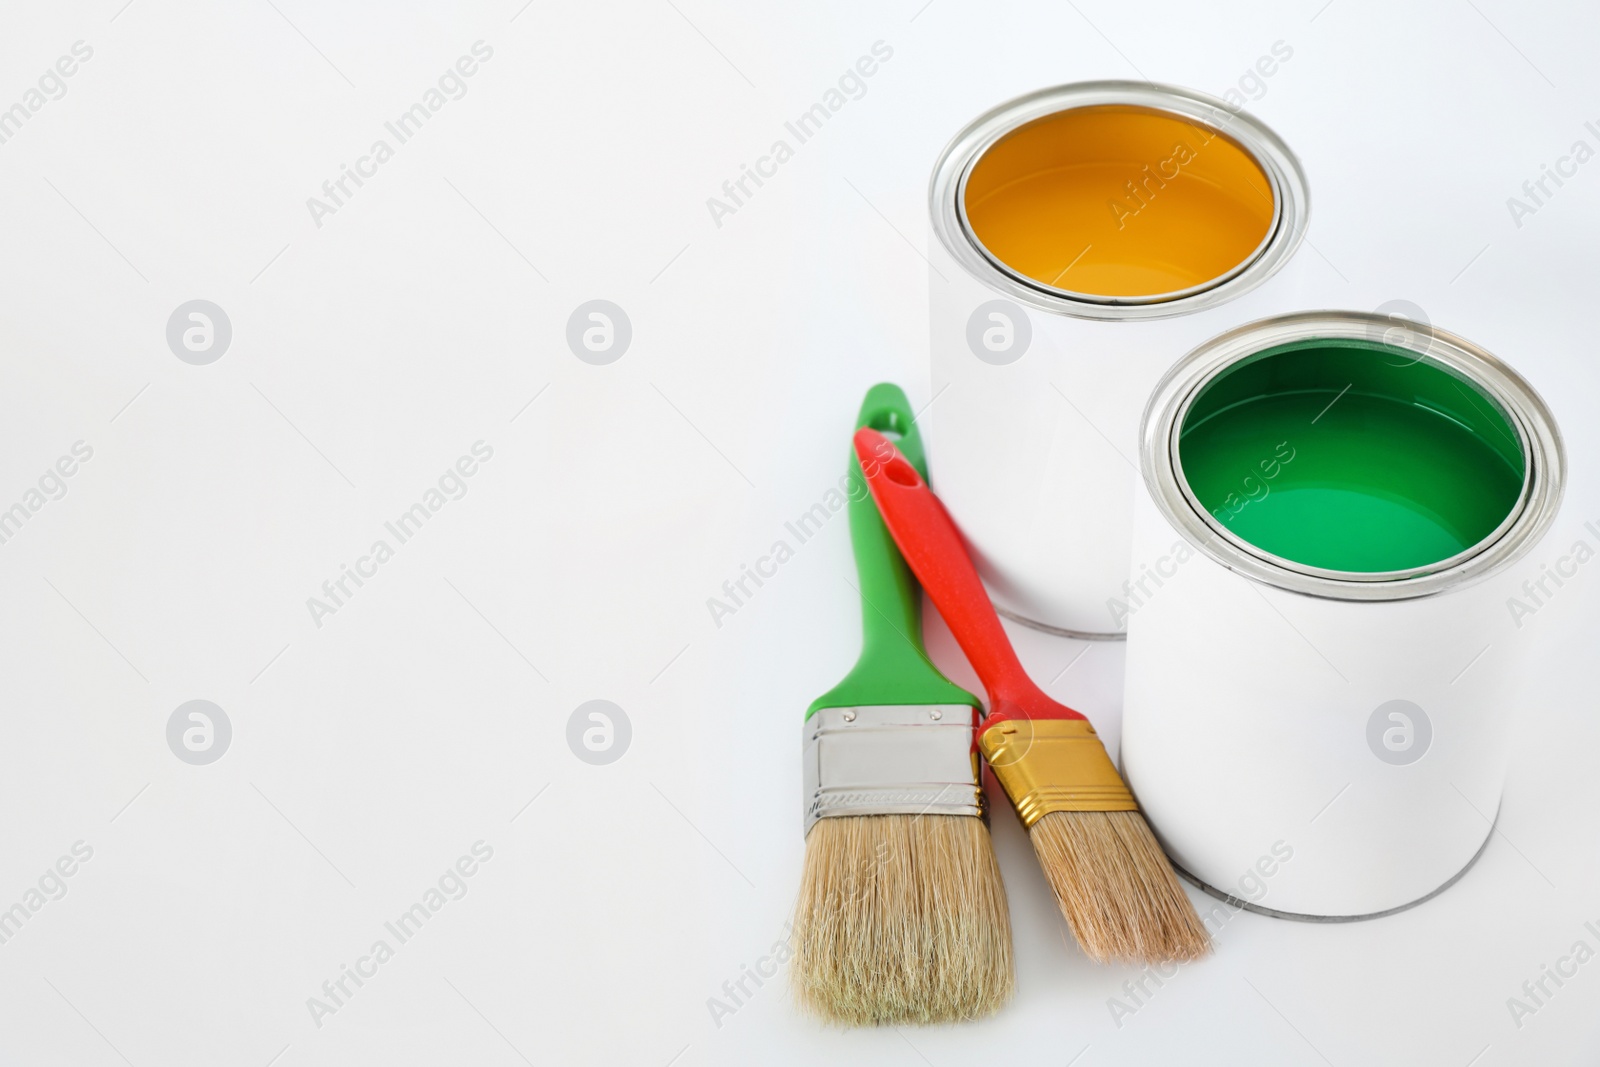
point(1083, 237)
point(1321, 669)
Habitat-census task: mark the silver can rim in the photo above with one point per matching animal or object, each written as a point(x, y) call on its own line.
point(1544, 456)
point(1291, 198)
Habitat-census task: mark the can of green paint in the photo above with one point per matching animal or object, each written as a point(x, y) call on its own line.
point(1319, 657)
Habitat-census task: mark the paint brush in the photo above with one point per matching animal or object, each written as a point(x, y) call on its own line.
point(1115, 886)
point(902, 914)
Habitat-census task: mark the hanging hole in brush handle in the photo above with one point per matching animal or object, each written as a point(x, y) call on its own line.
point(932, 546)
point(887, 411)
point(900, 472)
point(890, 422)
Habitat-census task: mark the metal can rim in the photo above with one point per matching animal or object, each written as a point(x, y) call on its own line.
point(1535, 510)
point(1291, 196)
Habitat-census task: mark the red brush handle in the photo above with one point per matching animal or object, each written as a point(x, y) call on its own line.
point(930, 543)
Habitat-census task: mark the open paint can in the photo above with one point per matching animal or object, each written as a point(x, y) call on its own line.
point(1322, 670)
point(1083, 237)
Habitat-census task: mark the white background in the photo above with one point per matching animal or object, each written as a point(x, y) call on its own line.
point(371, 752)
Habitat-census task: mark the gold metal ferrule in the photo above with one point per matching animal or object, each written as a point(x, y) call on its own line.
point(1048, 765)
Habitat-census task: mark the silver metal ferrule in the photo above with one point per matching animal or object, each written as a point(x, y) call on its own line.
point(911, 759)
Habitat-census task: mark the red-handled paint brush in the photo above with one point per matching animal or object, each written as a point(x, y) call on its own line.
point(1114, 884)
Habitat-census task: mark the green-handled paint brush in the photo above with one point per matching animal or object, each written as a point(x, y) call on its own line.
point(902, 914)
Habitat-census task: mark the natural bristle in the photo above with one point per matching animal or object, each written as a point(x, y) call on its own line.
point(901, 919)
point(1117, 888)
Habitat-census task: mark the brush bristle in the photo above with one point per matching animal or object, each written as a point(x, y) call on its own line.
point(1116, 887)
point(901, 919)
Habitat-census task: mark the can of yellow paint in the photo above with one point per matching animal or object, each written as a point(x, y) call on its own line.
point(1321, 671)
point(1083, 237)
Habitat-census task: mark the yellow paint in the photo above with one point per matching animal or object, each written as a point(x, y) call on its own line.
point(1119, 201)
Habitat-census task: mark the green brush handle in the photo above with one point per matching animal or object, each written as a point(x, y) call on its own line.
point(892, 668)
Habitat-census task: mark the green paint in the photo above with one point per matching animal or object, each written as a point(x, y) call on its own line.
point(1409, 466)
